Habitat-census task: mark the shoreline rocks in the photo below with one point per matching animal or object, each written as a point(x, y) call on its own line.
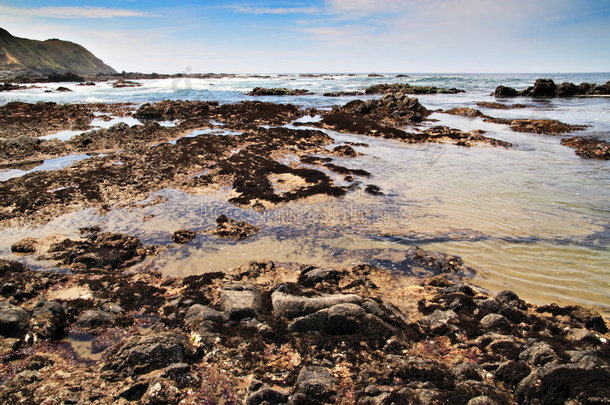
point(283, 91)
point(546, 88)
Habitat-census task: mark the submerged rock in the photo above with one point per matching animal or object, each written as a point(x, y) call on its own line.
point(230, 228)
point(588, 148)
point(183, 236)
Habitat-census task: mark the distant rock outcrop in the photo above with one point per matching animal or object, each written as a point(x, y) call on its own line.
point(546, 88)
point(27, 56)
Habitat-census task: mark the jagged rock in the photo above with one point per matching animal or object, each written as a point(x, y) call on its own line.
point(292, 306)
point(496, 322)
point(141, 354)
point(48, 320)
point(94, 318)
point(241, 301)
point(183, 236)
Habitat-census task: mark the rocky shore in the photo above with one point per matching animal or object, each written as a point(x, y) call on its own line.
point(267, 333)
point(103, 328)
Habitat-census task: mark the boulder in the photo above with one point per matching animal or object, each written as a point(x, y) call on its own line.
point(315, 382)
point(292, 306)
point(142, 354)
point(199, 313)
point(438, 318)
point(496, 322)
point(26, 245)
point(544, 88)
point(567, 90)
point(504, 91)
point(310, 276)
point(14, 321)
point(94, 318)
point(241, 301)
point(48, 320)
point(539, 354)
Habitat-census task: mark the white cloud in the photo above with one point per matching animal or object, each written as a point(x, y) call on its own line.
point(72, 12)
point(276, 10)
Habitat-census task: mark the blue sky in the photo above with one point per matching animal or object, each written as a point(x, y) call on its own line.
point(327, 35)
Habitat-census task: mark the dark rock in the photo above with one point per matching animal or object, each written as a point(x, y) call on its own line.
point(134, 392)
point(489, 305)
point(38, 362)
point(26, 245)
point(241, 301)
point(409, 89)
point(509, 298)
point(344, 150)
point(48, 320)
point(539, 354)
point(260, 91)
point(14, 321)
point(567, 90)
point(141, 354)
point(62, 89)
point(64, 77)
point(125, 83)
point(373, 189)
point(544, 88)
point(315, 382)
point(229, 228)
point(468, 371)
point(496, 322)
point(512, 372)
point(183, 236)
point(503, 91)
point(559, 384)
point(310, 276)
point(267, 395)
point(94, 318)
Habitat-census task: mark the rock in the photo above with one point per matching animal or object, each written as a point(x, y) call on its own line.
point(241, 301)
point(199, 313)
point(589, 148)
point(344, 150)
point(48, 320)
point(562, 384)
point(26, 245)
point(345, 318)
point(512, 372)
point(183, 236)
point(438, 318)
point(465, 112)
point(161, 392)
point(566, 90)
point(181, 374)
point(489, 305)
point(496, 322)
point(503, 91)
point(102, 250)
point(539, 354)
point(315, 382)
point(62, 89)
point(583, 335)
point(468, 371)
point(14, 321)
point(38, 362)
point(94, 318)
point(544, 88)
point(260, 91)
point(508, 298)
point(310, 276)
point(142, 354)
point(125, 83)
point(291, 306)
point(64, 77)
point(481, 400)
point(229, 228)
point(267, 395)
point(409, 89)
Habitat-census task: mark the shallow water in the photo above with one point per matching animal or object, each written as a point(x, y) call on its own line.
point(47, 165)
point(534, 218)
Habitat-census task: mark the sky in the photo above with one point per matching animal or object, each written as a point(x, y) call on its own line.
point(383, 36)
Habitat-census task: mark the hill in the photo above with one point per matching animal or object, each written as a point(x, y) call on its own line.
point(21, 55)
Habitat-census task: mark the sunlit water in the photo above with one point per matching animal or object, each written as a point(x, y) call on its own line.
point(534, 218)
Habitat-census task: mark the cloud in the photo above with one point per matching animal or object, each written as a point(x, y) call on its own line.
point(366, 7)
point(276, 10)
point(72, 12)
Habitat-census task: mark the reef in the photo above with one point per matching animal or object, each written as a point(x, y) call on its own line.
point(283, 91)
point(409, 89)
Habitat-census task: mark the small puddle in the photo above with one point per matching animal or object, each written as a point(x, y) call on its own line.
point(47, 165)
